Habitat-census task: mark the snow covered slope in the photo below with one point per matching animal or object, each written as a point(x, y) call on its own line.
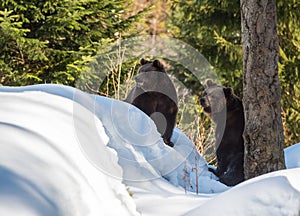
point(42, 168)
point(65, 152)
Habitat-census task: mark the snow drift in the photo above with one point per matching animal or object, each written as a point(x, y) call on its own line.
point(66, 152)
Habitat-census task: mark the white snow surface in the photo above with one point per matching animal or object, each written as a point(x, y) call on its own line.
point(66, 152)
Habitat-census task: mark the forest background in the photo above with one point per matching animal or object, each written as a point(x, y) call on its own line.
point(53, 41)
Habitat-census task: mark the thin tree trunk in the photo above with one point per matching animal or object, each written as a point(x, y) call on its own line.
point(264, 140)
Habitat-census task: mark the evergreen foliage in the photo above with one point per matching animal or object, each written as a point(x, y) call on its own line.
point(51, 41)
point(214, 28)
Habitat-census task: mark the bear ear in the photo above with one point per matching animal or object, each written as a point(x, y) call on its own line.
point(210, 83)
point(158, 64)
point(228, 92)
point(143, 61)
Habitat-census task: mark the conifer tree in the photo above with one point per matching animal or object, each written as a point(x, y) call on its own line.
point(43, 41)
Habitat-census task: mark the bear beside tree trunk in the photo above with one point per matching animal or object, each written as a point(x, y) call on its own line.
point(225, 109)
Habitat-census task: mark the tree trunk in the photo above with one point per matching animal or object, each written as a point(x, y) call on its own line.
point(264, 140)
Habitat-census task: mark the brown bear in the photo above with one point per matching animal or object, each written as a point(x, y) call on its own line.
point(156, 96)
point(225, 109)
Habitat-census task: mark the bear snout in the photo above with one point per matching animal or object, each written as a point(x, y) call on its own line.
point(202, 101)
point(139, 81)
point(205, 104)
point(139, 84)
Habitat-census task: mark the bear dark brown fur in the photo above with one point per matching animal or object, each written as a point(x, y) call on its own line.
point(226, 111)
point(156, 96)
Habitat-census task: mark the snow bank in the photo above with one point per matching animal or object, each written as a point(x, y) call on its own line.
point(141, 152)
point(292, 156)
point(42, 168)
point(65, 152)
point(275, 193)
point(54, 145)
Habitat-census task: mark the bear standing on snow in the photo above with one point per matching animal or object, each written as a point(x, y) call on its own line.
point(226, 110)
point(156, 96)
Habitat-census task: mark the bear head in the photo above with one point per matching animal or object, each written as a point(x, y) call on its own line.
point(215, 98)
point(152, 77)
point(148, 66)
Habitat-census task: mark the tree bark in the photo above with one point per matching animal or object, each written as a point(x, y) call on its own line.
point(264, 140)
